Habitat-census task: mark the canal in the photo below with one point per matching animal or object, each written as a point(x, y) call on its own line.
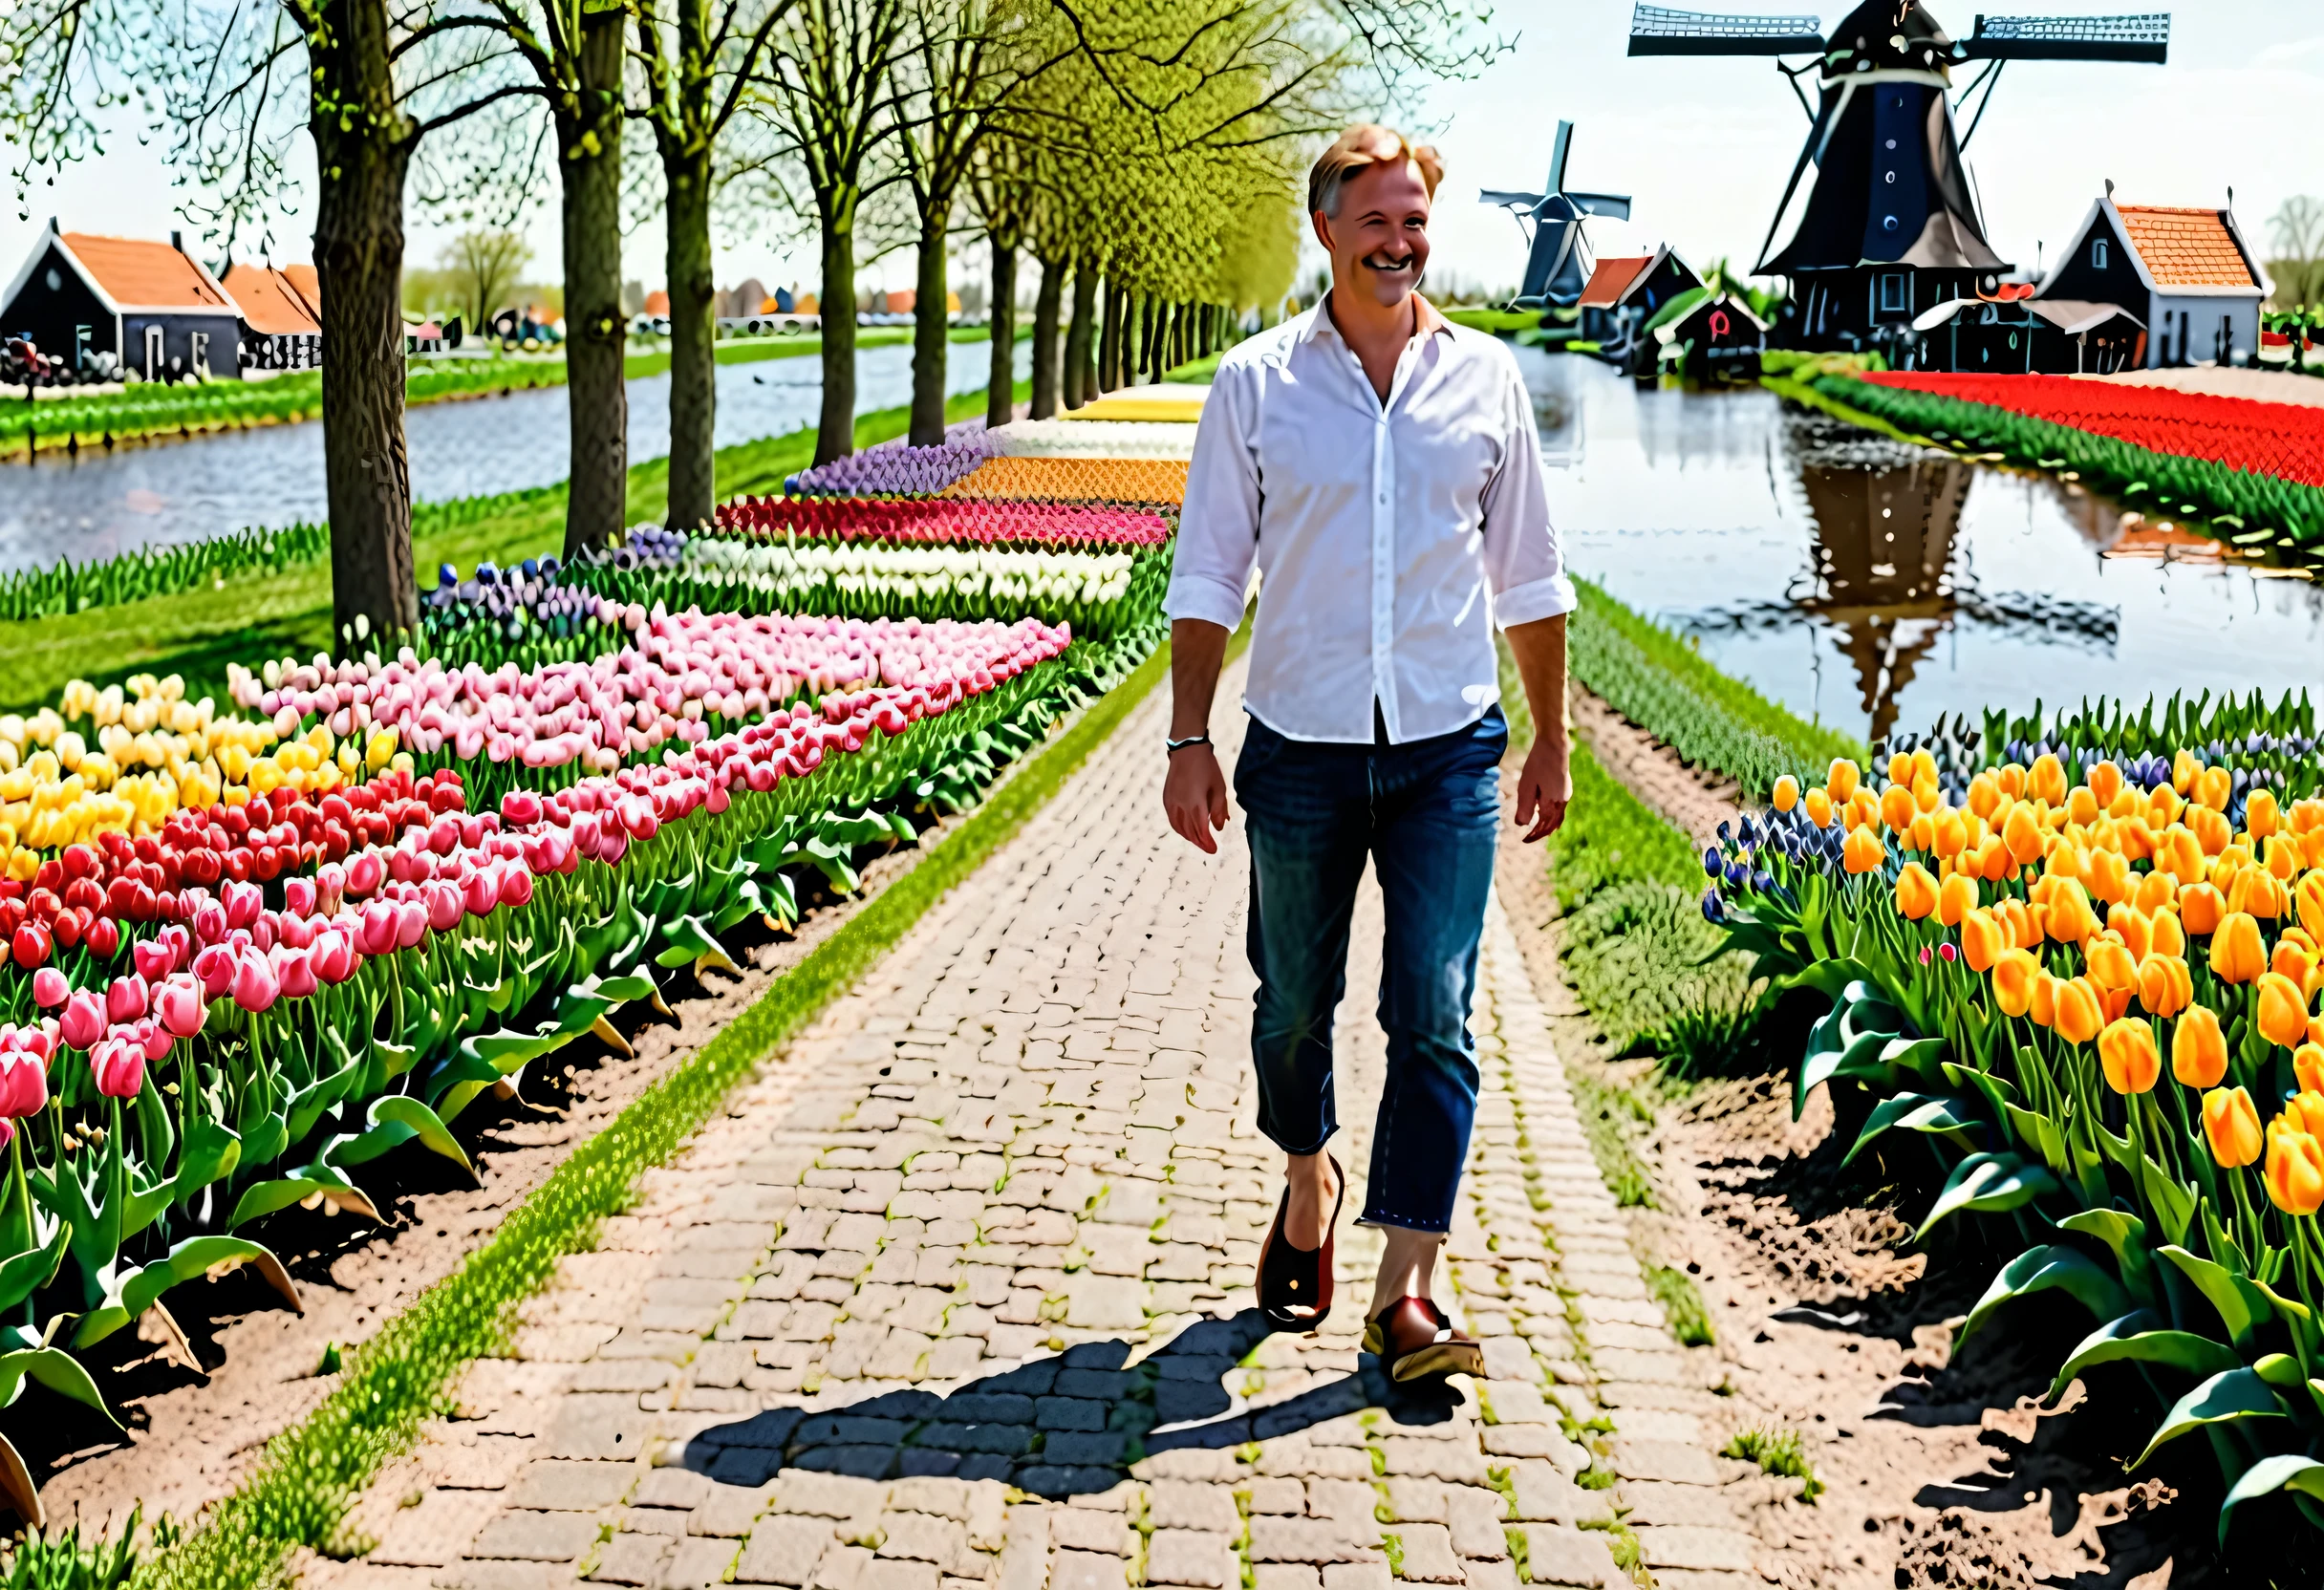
point(1875, 586)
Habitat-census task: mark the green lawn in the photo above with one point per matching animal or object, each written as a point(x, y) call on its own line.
point(198, 633)
point(1495, 321)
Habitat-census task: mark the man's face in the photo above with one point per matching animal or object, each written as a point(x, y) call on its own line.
point(1379, 241)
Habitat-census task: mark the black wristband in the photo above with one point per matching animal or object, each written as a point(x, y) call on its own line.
point(1172, 747)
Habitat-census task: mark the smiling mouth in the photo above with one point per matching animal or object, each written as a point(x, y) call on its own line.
point(1390, 266)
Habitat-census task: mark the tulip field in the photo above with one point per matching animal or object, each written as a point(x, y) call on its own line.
point(2254, 470)
point(2083, 970)
point(254, 945)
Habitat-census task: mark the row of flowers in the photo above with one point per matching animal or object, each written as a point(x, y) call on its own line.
point(2014, 977)
point(948, 522)
point(1076, 480)
point(2254, 506)
point(1115, 439)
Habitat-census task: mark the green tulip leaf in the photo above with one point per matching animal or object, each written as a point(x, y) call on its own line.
point(134, 1291)
point(2124, 1235)
point(1989, 1184)
point(419, 1121)
point(2136, 1339)
point(2243, 1305)
point(54, 1368)
point(316, 1180)
point(2229, 1397)
point(1927, 1112)
point(2049, 1268)
point(26, 1273)
point(2290, 1472)
point(692, 942)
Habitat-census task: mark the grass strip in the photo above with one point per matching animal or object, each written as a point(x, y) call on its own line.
point(311, 1476)
point(197, 632)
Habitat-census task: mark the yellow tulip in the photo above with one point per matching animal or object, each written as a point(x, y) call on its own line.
point(1984, 795)
point(1956, 898)
point(2165, 986)
point(2202, 908)
point(2135, 928)
point(1916, 891)
point(2046, 779)
point(1995, 862)
point(2214, 787)
point(2237, 955)
point(2296, 960)
point(2199, 1048)
point(2158, 891)
point(2183, 768)
point(2108, 876)
point(1819, 807)
point(1922, 834)
point(2257, 894)
point(1787, 789)
point(1983, 938)
point(1842, 778)
point(2295, 1169)
point(2071, 920)
point(2126, 1054)
point(2308, 1066)
point(2018, 921)
point(2010, 779)
point(2082, 1013)
point(2210, 829)
point(2017, 977)
point(1896, 807)
point(1863, 852)
point(2082, 805)
point(2283, 857)
point(2304, 1111)
point(2283, 1009)
point(2230, 1124)
point(2022, 832)
point(2105, 781)
point(2180, 853)
point(2112, 965)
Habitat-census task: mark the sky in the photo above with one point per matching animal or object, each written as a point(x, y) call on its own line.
point(1702, 145)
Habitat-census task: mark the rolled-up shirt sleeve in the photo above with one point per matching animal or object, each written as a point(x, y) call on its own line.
point(1218, 527)
point(1523, 563)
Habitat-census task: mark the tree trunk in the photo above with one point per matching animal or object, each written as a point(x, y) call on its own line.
point(835, 427)
point(931, 327)
point(1046, 305)
point(1110, 340)
point(1145, 338)
point(1080, 381)
point(693, 329)
point(358, 256)
point(597, 496)
point(1000, 386)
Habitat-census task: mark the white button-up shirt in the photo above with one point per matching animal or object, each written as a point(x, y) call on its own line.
point(1389, 536)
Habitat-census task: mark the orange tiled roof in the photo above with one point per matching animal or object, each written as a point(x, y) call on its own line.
point(657, 302)
point(308, 286)
point(145, 276)
point(1613, 279)
point(2186, 247)
point(271, 306)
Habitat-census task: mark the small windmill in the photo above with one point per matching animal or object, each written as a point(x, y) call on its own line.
point(1889, 225)
point(1559, 265)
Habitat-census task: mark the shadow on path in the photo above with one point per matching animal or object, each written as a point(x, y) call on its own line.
point(1059, 1427)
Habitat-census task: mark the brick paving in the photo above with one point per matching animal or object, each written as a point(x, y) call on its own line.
point(954, 1296)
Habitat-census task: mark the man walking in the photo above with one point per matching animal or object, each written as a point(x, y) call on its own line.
point(1382, 469)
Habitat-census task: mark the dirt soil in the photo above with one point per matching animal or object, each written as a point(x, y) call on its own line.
point(1940, 1469)
point(190, 1431)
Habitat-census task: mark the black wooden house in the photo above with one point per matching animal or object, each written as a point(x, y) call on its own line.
point(150, 304)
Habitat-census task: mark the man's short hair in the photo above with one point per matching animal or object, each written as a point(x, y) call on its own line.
point(1360, 148)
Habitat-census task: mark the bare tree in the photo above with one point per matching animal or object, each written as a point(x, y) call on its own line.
point(481, 264)
point(2296, 231)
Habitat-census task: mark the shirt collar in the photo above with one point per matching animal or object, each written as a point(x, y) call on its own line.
point(1427, 321)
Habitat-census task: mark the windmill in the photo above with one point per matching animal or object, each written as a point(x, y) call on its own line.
point(1559, 265)
point(1889, 225)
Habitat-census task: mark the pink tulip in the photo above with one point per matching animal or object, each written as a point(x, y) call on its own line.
point(366, 870)
point(118, 1068)
point(178, 1002)
point(209, 921)
point(330, 888)
point(297, 974)
point(298, 897)
point(516, 886)
point(50, 988)
point(480, 890)
point(379, 920)
point(519, 807)
point(179, 941)
point(155, 1037)
point(215, 966)
point(255, 987)
point(292, 931)
point(151, 958)
point(24, 1084)
point(445, 907)
point(411, 922)
point(243, 903)
point(127, 999)
point(333, 957)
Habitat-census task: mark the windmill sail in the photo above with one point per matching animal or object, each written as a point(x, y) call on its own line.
point(1889, 186)
point(1658, 31)
point(2145, 36)
point(1558, 264)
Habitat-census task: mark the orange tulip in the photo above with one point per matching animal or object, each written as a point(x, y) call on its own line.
point(2022, 832)
point(2199, 1049)
point(2237, 955)
point(2046, 990)
point(1922, 834)
point(2307, 816)
point(2283, 1010)
point(2112, 965)
point(2295, 1169)
point(2295, 961)
point(2081, 1011)
point(2307, 898)
point(1923, 767)
point(1818, 806)
point(2308, 1066)
point(1863, 852)
point(2162, 806)
point(1995, 862)
point(1896, 807)
point(2105, 781)
point(1786, 793)
point(1951, 831)
point(2134, 840)
point(2016, 977)
point(2126, 1054)
point(2261, 814)
point(2018, 922)
point(2180, 853)
point(2183, 768)
point(2066, 860)
point(2158, 891)
point(1899, 769)
point(2210, 829)
point(1984, 795)
point(2231, 1124)
point(2169, 937)
point(2012, 780)
point(2165, 986)
point(1916, 891)
point(2257, 894)
point(2312, 848)
point(1983, 938)
point(2304, 1111)
point(2047, 779)
point(2071, 920)
point(2201, 908)
point(2214, 787)
point(2082, 805)
point(2137, 931)
point(1926, 795)
point(1842, 778)
point(2283, 861)
point(2108, 876)
point(1956, 899)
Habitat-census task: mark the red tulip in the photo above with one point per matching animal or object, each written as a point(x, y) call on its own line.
point(127, 999)
point(152, 960)
point(103, 937)
point(30, 946)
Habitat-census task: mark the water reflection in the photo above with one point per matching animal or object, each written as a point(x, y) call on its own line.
point(1878, 585)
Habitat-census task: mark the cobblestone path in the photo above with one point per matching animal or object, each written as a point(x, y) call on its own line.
point(954, 1296)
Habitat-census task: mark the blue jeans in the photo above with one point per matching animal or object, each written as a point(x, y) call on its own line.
point(1427, 813)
